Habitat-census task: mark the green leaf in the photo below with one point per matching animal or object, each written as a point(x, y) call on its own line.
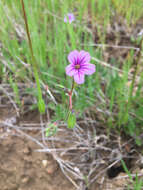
point(71, 121)
point(41, 106)
point(138, 141)
point(51, 130)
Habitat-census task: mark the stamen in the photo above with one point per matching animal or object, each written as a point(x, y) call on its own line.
point(77, 66)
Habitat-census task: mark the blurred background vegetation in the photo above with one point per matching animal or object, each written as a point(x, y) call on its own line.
point(109, 30)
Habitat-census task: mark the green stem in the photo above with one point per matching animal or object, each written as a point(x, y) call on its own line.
point(70, 95)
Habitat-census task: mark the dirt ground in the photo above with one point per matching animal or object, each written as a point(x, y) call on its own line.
point(22, 168)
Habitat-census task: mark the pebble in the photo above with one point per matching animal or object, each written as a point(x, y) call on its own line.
point(26, 151)
point(25, 180)
point(45, 163)
point(51, 168)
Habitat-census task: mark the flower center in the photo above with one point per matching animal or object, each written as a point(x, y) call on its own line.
point(77, 66)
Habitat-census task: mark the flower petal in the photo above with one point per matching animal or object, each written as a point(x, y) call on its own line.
point(84, 57)
point(70, 70)
point(79, 78)
point(71, 17)
point(65, 19)
point(88, 68)
point(73, 56)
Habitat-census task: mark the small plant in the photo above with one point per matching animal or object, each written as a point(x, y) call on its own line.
point(51, 129)
point(79, 67)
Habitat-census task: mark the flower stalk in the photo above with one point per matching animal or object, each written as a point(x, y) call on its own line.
point(41, 104)
point(79, 67)
point(70, 96)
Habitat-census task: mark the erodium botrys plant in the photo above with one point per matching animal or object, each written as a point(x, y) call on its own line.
point(77, 69)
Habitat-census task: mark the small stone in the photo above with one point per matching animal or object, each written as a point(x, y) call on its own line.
point(51, 168)
point(26, 151)
point(45, 163)
point(25, 180)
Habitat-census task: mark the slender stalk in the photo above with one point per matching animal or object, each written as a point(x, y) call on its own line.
point(27, 30)
point(41, 103)
point(70, 99)
point(70, 95)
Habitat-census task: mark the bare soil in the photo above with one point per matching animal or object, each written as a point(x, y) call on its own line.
point(23, 168)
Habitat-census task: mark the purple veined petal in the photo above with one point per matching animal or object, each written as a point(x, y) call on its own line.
point(65, 19)
point(88, 68)
point(73, 56)
point(79, 78)
point(70, 70)
point(71, 17)
point(84, 57)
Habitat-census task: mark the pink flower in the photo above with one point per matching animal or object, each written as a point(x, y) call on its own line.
point(69, 18)
point(79, 65)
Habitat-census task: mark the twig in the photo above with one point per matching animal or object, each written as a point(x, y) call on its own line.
point(24, 134)
point(111, 67)
point(11, 100)
point(127, 176)
point(112, 46)
point(42, 130)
